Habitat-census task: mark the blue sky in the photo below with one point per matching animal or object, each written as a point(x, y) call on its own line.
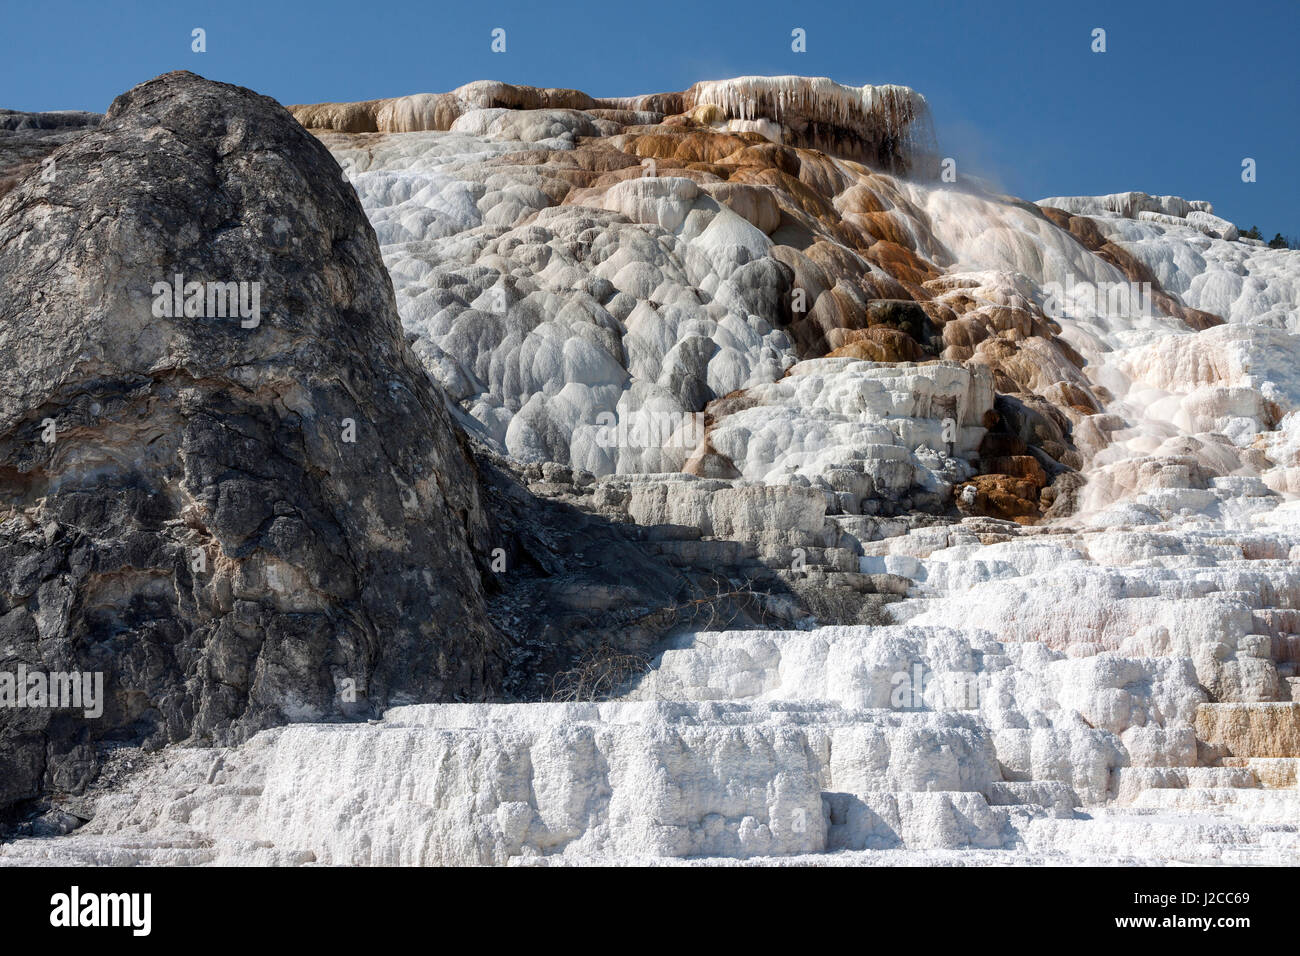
point(1183, 93)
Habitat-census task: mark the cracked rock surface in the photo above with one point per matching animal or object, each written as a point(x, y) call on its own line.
point(201, 529)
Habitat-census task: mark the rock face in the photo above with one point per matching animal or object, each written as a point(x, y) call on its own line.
point(968, 552)
point(238, 517)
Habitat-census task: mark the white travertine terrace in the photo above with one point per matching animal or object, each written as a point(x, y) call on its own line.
point(1119, 685)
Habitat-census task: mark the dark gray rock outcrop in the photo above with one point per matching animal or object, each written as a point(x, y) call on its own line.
point(239, 520)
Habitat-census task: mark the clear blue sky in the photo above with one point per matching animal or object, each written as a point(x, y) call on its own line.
point(1183, 93)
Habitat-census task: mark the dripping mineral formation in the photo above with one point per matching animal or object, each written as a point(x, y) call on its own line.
point(734, 488)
